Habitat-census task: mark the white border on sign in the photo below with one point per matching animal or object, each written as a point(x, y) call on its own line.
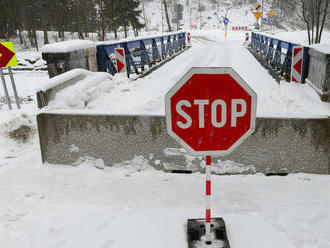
point(293, 61)
point(122, 59)
point(210, 70)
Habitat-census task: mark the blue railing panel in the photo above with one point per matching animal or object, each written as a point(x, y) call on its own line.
point(277, 52)
point(140, 52)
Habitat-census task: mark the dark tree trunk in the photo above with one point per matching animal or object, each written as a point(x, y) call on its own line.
point(323, 19)
point(46, 37)
point(167, 17)
point(20, 36)
point(125, 31)
point(35, 39)
point(80, 35)
point(30, 35)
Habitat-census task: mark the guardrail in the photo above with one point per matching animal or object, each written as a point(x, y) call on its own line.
point(278, 53)
point(140, 53)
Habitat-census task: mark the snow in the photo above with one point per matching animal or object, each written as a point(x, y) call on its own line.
point(132, 204)
point(210, 48)
point(67, 46)
point(296, 37)
point(323, 48)
point(72, 74)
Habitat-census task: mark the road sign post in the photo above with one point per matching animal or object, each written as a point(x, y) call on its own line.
point(210, 111)
point(225, 22)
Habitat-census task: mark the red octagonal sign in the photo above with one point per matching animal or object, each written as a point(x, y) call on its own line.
point(210, 111)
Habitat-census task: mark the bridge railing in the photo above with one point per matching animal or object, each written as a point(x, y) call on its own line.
point(140, 53)
point(277, 52)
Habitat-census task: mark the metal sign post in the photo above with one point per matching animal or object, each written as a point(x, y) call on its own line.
point(5, 89)
point(210, 111)
point(14, 87)
point(225, 22)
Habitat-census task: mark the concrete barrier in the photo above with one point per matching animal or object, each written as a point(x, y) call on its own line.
point(319, 72)
point(67, 55)
point(294, 145)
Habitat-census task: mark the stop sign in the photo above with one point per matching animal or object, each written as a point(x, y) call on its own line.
point(210, 111)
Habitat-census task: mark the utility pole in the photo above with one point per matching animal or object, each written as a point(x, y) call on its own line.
point(262, 14)
point(144, 16)
point(161, 10)
point(200, 15)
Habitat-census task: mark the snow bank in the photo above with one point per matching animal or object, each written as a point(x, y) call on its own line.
point(65, 77)
point(19, 127)
point(88, 93)
point(67, 46)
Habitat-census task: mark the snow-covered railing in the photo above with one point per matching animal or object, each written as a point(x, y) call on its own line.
point(140, 53)
point(277, 52)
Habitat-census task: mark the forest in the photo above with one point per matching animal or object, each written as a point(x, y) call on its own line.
point(81, 16)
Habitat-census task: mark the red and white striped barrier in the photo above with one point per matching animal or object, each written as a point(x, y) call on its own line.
point(247, 36)
point(240, 28)
point(189, 39)
point(120, 60)
point(208, 199)
point(297, 64)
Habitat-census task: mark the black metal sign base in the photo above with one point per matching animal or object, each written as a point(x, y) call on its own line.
point(196, 234)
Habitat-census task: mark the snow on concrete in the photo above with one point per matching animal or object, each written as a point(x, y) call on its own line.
point(323, 48)
point(67, 46)
point(83, 94)
point(297, 37)
point(210, 49)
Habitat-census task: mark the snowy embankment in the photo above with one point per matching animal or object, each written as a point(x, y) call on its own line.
point(135, 205)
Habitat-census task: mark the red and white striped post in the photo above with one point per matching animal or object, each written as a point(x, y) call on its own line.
point(247, 37)
point(208, 199)
point(189, 39)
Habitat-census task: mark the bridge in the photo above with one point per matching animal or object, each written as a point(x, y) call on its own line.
point(112, 114)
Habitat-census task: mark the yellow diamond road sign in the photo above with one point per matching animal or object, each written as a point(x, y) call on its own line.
point(258, 7)
point(7, 54)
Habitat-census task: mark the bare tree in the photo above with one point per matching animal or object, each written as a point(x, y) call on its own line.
point(314, 14)
point(167, 17)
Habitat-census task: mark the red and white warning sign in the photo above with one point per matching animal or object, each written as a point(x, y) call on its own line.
point(247, 36)
point(189, 39)
point(297, 64)
point(120, 60)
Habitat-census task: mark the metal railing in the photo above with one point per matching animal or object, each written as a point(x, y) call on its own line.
point(140, 53)
point(277, 52)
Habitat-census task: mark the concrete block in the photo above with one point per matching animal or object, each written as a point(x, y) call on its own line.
point(319, 73)
point(294, 145)
point(58, 63)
